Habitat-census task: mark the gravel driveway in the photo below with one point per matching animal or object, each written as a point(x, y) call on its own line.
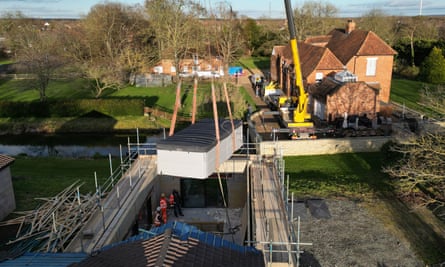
point(351, 237)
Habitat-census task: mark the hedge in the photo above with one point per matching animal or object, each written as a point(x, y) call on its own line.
point(72, 108)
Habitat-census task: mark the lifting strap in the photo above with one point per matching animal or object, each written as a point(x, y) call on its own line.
point(215, 115)
point(195, 92)
point(230, 116)
point(176, 108)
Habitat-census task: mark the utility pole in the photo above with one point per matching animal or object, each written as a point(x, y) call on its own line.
point(420, 9)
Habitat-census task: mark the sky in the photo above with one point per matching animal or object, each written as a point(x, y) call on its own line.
point(250, 8)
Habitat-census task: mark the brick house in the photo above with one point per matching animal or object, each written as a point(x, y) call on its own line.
point(336, 95)
point(316, 63)
point(360, 52)
point(167, 66)
point(364, 54)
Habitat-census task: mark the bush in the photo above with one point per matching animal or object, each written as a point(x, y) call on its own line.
point(409, 72)
point(433, 67)
point(72, 108)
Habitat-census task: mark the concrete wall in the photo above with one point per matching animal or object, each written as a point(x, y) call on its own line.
point(7, 199)
point(323, 146)
point(166, 185)
point(236, 185)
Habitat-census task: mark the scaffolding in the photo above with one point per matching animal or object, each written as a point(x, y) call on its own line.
point(55, 224)
point(272, 228)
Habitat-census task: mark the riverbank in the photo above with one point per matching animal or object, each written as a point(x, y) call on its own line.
point(103, 125)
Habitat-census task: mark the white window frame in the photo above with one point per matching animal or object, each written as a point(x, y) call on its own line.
point(371, 66)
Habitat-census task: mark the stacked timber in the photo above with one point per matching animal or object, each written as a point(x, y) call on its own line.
point(53, 225)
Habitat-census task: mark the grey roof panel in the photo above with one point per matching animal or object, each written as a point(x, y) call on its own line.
point(198, 137)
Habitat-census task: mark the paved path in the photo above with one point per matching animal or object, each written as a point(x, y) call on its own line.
point(264, 123)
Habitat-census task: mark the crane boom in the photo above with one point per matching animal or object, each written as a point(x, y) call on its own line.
point(300, 114)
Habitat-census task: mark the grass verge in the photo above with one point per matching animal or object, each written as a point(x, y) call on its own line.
point(353, 175)
point(408, 93)
point(46, 177)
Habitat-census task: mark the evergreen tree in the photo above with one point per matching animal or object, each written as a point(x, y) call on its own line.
point(433, 67)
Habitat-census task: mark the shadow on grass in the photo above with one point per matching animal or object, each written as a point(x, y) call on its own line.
point(425, 241)
point(91, 122)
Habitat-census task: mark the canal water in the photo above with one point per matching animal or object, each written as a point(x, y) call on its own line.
point(70, 145)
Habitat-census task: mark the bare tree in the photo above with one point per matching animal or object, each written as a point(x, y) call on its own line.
point(433, 97)
point(413, 28)
point(227, 34)
point(419, 172)
point(114, 44)
point(10, 25)
point(176, 27)
point(314, 18)
point(38, 50)
point(382, 24)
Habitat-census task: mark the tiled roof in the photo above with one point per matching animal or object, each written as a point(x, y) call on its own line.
point(317, 58)
point(373, 45)
point(44, 260)
point(282, 50)
point(325, 87)
point(329, 86)
point(175, 244)
point(311, 58)
point(5, 161)
point(318, 40)
point(357, 43)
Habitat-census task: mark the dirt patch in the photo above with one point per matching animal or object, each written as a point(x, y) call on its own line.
point(352, 236)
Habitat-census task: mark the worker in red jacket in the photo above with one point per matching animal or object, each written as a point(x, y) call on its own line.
point(163, 205)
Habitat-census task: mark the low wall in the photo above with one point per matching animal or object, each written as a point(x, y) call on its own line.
point(323, 146)
point(7, 200)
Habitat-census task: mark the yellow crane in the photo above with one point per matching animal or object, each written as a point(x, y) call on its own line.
point(299, 116)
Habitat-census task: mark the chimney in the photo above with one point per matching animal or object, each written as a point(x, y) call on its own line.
point(350, 26)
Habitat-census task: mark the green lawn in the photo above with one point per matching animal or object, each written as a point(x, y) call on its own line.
point(407, 92)
point(18, 90)
point(350, 175)
point(262, 63)
point(5, 61)
point(46, 177)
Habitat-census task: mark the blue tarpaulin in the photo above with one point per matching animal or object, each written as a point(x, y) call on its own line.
point(235, 70)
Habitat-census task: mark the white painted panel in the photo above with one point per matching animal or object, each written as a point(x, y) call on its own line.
point(184, 161)
point(182, 164)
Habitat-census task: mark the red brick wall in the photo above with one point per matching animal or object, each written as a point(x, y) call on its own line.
point(353, 98)
point(357, 65)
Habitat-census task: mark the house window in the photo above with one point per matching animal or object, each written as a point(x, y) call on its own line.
point(371, 66)
point(318, 76)
point(197, 193)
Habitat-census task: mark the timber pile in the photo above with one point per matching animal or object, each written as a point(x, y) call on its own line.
point(52, 226)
